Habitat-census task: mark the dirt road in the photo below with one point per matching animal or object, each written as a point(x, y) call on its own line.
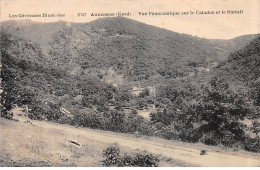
point(55, 136)
point(185, 154)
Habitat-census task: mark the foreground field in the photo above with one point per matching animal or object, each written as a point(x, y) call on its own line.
point(40, 143)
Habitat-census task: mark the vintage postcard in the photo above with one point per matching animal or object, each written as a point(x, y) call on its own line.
point(130, 83)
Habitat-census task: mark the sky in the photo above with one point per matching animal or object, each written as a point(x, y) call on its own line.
point(216, 26)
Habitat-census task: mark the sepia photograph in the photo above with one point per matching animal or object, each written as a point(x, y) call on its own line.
point(130, 83)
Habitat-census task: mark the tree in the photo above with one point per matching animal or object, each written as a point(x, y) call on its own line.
point(116, 121)
point(220, 109)
point(144, 93)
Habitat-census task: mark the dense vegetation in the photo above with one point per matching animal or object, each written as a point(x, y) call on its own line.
point(91, 70)
point(113, 157)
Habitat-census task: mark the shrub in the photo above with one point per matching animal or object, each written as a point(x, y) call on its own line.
point(126, 160)
point(138, 159)
point(112, 155)
point(6, 114)
point(168, 132)
point(145, 159)
point(252, 145)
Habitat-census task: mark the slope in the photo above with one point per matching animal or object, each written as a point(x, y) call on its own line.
point(242, 70)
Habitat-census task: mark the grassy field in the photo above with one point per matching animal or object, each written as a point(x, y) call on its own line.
point(26, 144)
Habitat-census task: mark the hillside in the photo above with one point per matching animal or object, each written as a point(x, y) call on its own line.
point(242, 70)
point(235, 44)
point(243, 65)
point(137, 52)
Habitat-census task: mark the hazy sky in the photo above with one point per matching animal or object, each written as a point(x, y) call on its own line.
point(208, 26)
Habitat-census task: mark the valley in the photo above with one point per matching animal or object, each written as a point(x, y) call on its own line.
point(119, 80)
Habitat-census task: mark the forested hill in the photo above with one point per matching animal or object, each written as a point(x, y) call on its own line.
point(243, 65)
point(242, 69)
point(235, 44)
point(135, 51)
